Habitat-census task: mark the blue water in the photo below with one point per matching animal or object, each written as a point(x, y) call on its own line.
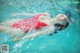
point(66, 41)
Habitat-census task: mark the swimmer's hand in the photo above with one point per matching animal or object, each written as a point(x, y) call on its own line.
point(16, 40)
point(28, 37)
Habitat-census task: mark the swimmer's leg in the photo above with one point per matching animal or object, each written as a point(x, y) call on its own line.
point(38, 33)
point(15, 33)
point(9, 22)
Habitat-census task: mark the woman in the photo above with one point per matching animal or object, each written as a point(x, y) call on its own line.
point(38, 22)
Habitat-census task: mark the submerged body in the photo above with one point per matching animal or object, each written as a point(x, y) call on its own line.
point(38, 22)
point(28, 24)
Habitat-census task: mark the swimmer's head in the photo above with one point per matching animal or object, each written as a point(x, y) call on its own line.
point(61, 17)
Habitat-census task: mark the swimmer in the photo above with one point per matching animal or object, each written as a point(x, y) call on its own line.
point(38, 22)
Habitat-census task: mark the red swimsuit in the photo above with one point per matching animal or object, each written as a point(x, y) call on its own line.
point(27, 24)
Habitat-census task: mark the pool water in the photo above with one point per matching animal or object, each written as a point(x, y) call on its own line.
point(66, 41)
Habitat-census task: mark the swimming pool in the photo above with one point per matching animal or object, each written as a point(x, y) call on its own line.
point(66, 41)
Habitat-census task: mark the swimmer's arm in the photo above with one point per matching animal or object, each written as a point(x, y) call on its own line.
point(29, 14)
point(42, 32)
point(38, 33)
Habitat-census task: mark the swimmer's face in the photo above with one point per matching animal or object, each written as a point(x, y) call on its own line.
point(61, 17)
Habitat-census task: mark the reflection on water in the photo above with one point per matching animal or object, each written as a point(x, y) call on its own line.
point(66, 41)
